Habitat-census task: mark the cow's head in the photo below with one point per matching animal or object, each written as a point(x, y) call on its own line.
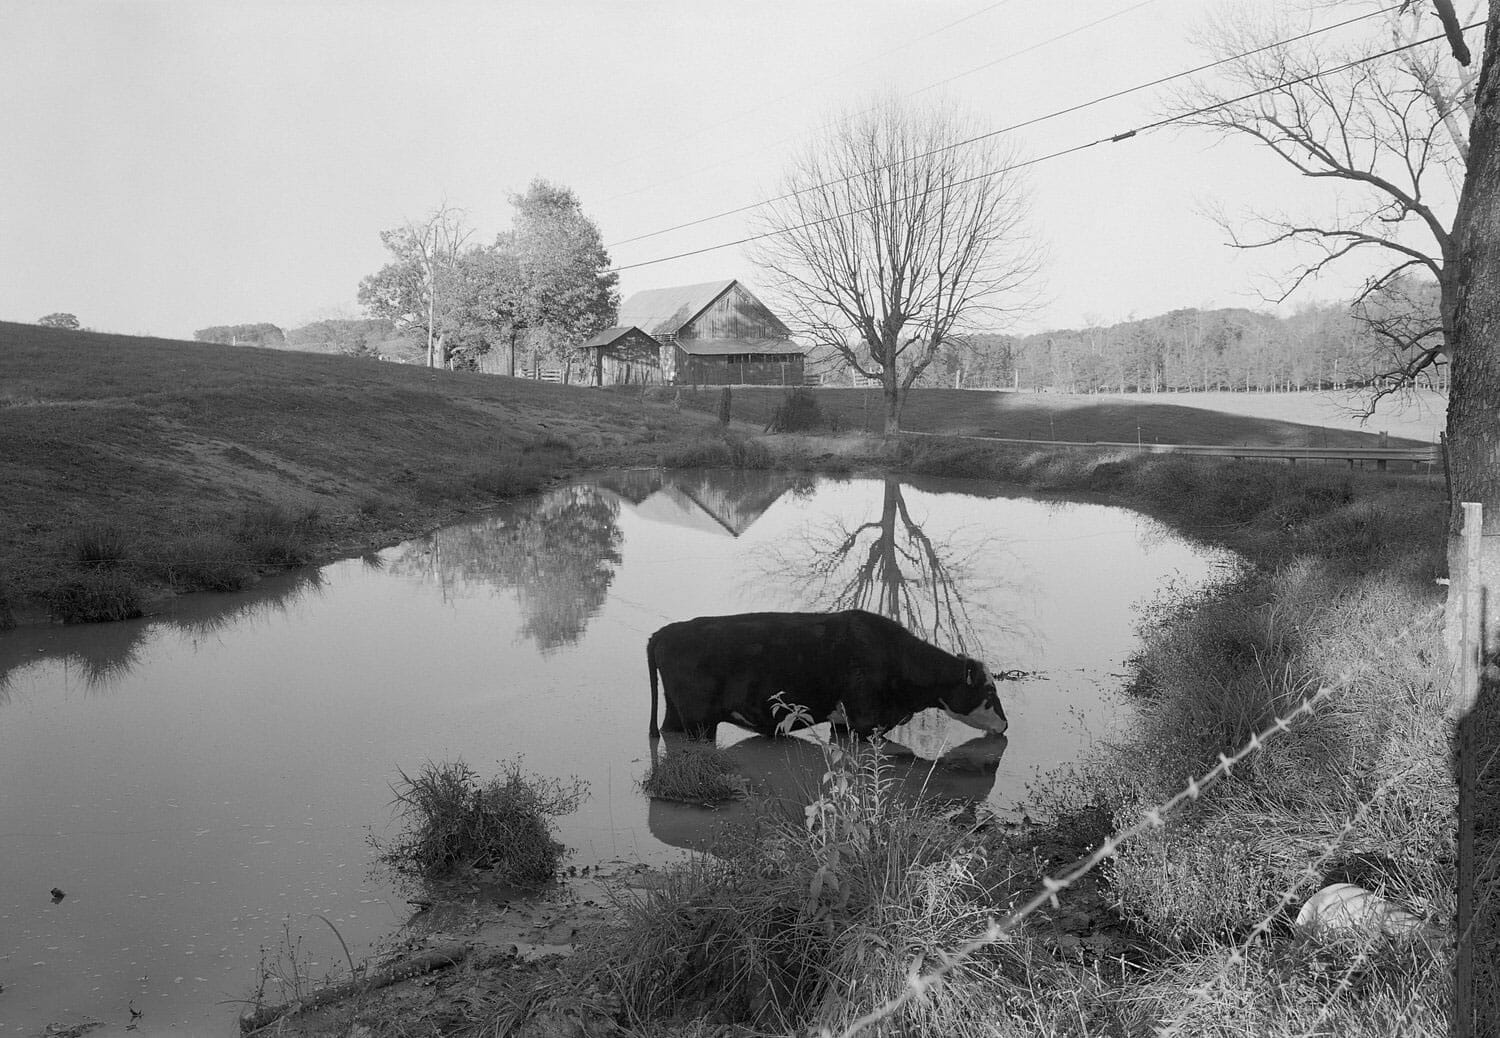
point(975, 702)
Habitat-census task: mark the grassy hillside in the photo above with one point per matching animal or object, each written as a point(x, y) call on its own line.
point(166, 439)
point(189, 465)
point(1052, 416)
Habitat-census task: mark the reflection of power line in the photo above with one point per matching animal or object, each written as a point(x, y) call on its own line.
point(997, 132)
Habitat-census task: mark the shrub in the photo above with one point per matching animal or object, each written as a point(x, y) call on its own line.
point(726, 409)
point(692, 774)
point(798, 412)
point(100, 545)
point(452, 821)
point(277, 535)
point(94, 596)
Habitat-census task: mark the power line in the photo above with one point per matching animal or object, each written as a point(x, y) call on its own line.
point(792, 93)
point(1115, 138)
point(1013, 126)
point(930, 86)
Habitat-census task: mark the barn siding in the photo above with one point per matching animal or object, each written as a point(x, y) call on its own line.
point(735, 315)
point(720, 371)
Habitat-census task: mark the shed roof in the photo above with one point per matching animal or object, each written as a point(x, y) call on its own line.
point(612, 335)
point(662, 311)
point(723, 347)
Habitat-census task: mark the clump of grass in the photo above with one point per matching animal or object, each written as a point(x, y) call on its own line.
point(94, 596)
point(277, 534)
point(724, 452)
point(693, 774)
point(206, 560)
point(512, 477)
point(799, 412)
point(100, 545)
point(818, 920)
point(7, 611)
point(452, 821)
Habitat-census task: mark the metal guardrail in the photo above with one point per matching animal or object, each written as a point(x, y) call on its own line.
point(1428, 455)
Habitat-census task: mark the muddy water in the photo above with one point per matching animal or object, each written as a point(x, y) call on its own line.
point(197, 782)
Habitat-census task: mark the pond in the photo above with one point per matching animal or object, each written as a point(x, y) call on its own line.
point(193, 783)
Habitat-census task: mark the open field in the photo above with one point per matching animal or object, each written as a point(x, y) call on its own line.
point(1268, 419)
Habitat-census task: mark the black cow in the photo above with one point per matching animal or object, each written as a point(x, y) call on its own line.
point(854, 668)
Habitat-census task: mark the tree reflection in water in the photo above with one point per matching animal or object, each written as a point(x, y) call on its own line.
point(558, 553)
point(890, 565)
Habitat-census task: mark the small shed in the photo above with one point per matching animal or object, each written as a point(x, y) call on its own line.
point(715, 333)
point(623, 356)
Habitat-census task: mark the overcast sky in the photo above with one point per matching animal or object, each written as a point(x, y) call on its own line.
point(171, 164)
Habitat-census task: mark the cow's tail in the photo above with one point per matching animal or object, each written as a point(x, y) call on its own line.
point(651, 668)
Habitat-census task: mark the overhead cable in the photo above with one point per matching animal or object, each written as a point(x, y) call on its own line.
point(1114, 138)
point(1010, 128)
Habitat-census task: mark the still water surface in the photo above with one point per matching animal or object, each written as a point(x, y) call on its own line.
point(194, 781)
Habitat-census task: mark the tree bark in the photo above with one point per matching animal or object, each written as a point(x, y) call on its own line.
point(1474, 473)
point(1474, 400)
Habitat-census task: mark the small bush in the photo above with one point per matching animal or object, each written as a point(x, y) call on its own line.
point(799, 412)
point(693, 775)
point(452, 821)
point(94, 596)
point(277, 535)
point(99, 545)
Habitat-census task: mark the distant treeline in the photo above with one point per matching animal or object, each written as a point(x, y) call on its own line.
point(357, 337)
point(1319, 347)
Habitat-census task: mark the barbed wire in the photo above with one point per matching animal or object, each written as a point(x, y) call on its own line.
point(917, 985)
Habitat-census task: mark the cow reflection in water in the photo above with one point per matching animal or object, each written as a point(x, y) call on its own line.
point(785, 775)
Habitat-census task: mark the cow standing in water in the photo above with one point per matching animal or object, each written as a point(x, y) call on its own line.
point(854, 668)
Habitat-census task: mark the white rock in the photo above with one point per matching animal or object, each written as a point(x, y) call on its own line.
point(1346, 907)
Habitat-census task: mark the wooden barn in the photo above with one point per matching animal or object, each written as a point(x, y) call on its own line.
point(713, 334)
point(623, 356)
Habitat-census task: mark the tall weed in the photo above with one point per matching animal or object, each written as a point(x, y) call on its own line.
point(452, 820)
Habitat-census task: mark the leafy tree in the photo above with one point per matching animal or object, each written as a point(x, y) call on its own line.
point(420, 289)
point(242, 335)
point(566, 290)
point(59, 320)
point(889, 239)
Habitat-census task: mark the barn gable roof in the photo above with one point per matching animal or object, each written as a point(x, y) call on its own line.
point(609, 336)
point(663, 311)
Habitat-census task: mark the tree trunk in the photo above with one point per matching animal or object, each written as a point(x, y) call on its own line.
point(1474, 472)
point(892, 404)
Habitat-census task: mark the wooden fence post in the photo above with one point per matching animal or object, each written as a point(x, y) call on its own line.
point(1471, 646)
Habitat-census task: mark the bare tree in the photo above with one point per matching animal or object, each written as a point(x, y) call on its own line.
point(889, 240)
point(1387, 135)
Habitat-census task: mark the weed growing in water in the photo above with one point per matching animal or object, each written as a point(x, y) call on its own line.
point(453, 821)
point(692, 774)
